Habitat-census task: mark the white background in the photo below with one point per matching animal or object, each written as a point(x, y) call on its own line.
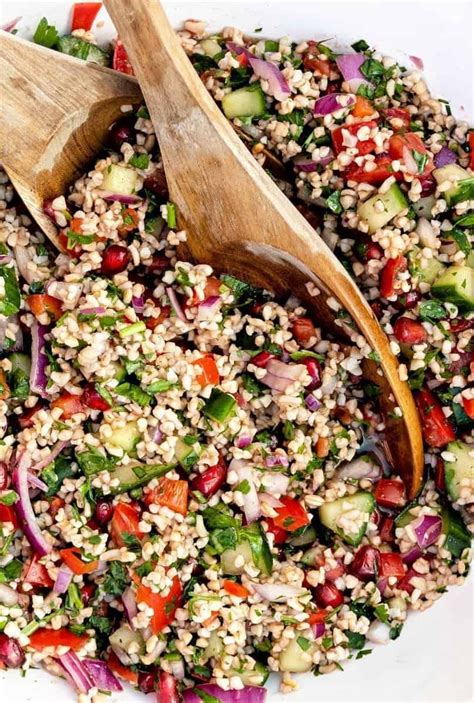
point(432, 660)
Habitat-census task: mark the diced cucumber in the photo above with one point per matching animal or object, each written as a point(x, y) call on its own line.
point(390, 204)
point(312, 557)
point(430, 270)
point(307, 536)
point(186, 454)
point(122, 639)
point(214, 647)
point(126, 437)
point(460, 469)
point(291, 659)
point(330, 514)
point(456, 285)
point(459, 177)
point(210, 47)
point(228, 558)
point(20, 362)
point(253, 677)
point(406, 516)
point(470, 259)
point(137, 475)
point(81, 49)
point(120, 179)
point(424, 206)
point(457, 537)
point(244, 102)
point(220, 406)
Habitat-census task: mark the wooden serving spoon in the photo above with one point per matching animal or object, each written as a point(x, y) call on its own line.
point(238, 220)
point(55, 111)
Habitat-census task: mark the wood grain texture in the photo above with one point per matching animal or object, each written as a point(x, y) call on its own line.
point(238, 220)
point(55, 111)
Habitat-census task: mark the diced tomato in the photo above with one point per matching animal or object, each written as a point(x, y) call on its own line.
point(365, 565)
point(45, 637)
point(26, 418)
point(335, 572)
point(164, 607)
point(390, 494)
point(470, 139)
point(121, 670)
point(74, 250)
point(167, 688)
point(391, 564)
point(317, 617)
point(459, 324)
point(8, 514)
point(379, 174)
point(76, 225)
point(279, 534)
point(209, 374)
point(152, 322)
point(130, 221)
point(386, 530)
point(55, 505)
point(318, 66)
point(40, 303)
point(69, 403)
point(4, 387)
point(397, 113)
point(436, 428)
point(262, 359)
point(291, 515)
point(303, 330)
point(400, 143)
point(440, 481)
point(235, 589)
point(327, 595)
point(364, 147)
point(211, 289)
point(428, 184)
point(388, 277)
point(409, 331)
point(74, 562)
point(362, 107)
point(404, 584)
point(84, 14)
point(366, 249)
point(172, 494)
point(37, 574)
point(468, 405)
point(126, 518)
point(210, 480)
point(243, 59)
point(120, 60)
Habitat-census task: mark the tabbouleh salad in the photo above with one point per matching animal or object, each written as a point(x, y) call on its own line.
point(193, 487)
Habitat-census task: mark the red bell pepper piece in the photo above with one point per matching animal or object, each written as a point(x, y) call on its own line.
point(291, 515)
point(46, 637)
point(364, 147)
point(388, 277)
point(164, 607)
point(84, 14)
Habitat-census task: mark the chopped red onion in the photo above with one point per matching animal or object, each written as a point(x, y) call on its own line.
point(138, 303)
point(158, 436)
point(277, 592)
point(39, 360)
point(411, 555)
point(319, 628)
point(5, 259)
point(444, 157)
point(418, 62)
point(312, 403)
point(363, 466)
point(24, 508)
point(308, 165)
point(11, 654)
point(8, 26)
point(36, 482)
point(290, 371)
point(268, 71)
point(99, 310)
point(76, 671)
point(379, 633)
point(332, 103)
point(126, 199)
point(130, 604)
point(427, 529)
point(237, 49)
point(410, 163)
point(276, 383)
point(349, 65)
point(382, 584)
point(22, 259)
point(276, 460)
point(177, 669)
point(8, 596)
point(56, 450)
point(207, 309)
point(251, 504)
point(4, 323)
point(244, 441)
point(175, 304)
point(101, 675)
point(63, 579)
point(247, 694)
point(276, 482)
point(271, 500)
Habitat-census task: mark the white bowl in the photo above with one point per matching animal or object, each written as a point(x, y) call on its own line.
point(432, 660)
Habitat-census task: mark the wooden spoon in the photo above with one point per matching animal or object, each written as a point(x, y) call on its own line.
point(238, 220)
point(54, 115)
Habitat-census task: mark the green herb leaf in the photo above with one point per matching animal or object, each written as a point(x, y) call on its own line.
point(466, 220)
point(461, 239)
point(371, 68)
point(303, 643)
point(11, 300)
point(171, 215)
point(420, 160)
point(431, 310)
point(9, 498)
point(116, 580)
point(140, 161)
point(395, 631)
point(161, 386)
point(360, 45)
point(11, 571)
point(355, 640)
point(93, 461)
point(219, 516)
point(333, 202)
point(134, 393)
point(46, 34)
point(54, 474)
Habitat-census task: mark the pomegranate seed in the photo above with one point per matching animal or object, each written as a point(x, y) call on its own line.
point(428, 184)
point(4, 476)
point(409, 331)
point(256, 309)
point(367, 250)
point(122, 131)
point(262, 359)
point(336, 572)
point(167, 690)
point(314, 369)
point(48, 210)
point(377, 310)
point(408, 301)
point(26, 419)
point(11, 654)
point(459, 325)
point(326, 594)
point(386, 529)
point(115, 259)
point(87, 591)
point(146, 681)
point(440, 482)
point(366, 563)
point(210, 480)
point(92, 398)
point(103, 512)
point(156, 183)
